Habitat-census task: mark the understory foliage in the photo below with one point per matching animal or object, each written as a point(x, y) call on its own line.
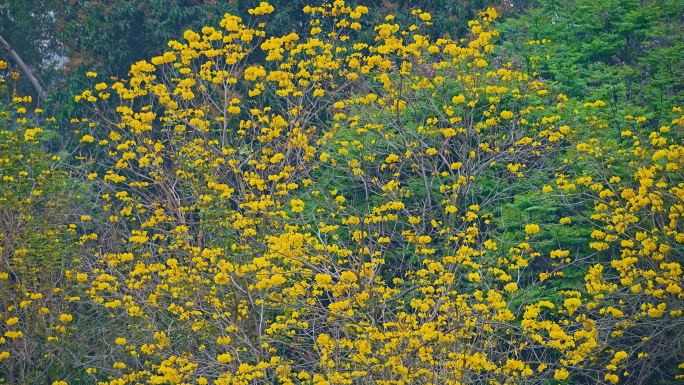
point(322, 209)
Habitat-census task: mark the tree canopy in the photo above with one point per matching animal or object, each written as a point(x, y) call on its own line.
point(343, 193)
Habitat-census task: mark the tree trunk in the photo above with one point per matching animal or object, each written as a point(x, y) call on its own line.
point(4, 45)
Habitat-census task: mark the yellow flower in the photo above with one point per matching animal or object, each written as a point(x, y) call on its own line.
point(297, 205)
point(532, 229)
point(323, 279)
point(221, 278)
point(323, 339)
point(225, 358)
point(264, 8)
point(561, 374)
point(277, 280)
point(620, 356)
point(571, 304)
point(191, 35)
point(458, 99)
point(14, 334)
point(511, 287)
point(348, 276)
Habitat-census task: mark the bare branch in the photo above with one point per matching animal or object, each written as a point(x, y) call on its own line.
point(5, 46)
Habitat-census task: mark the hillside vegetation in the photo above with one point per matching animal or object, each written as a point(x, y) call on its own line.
point(340, 193)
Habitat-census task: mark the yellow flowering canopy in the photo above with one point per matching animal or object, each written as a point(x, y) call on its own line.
point(316, 210)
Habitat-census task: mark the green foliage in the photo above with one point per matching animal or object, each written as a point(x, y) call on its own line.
point(29, 27)
point(629, 53)
point(111, 35)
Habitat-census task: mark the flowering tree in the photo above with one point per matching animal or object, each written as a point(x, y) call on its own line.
point(38, 205)
point(320, 209)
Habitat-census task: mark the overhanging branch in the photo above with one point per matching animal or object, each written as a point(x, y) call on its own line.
point(5, 46)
